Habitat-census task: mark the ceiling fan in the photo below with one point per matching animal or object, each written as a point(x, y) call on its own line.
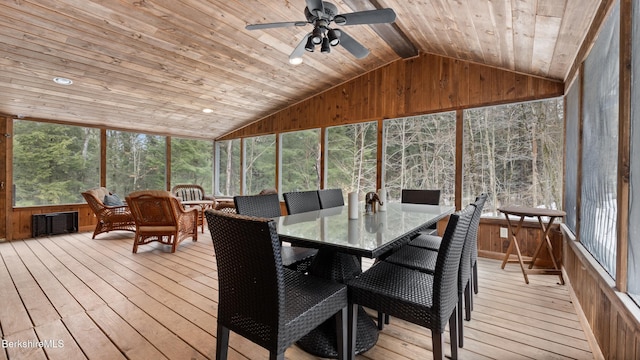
point(321, 14)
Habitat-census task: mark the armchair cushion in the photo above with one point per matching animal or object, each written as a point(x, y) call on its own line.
point(112, 200)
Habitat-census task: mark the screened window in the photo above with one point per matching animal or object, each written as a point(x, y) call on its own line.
point(598, 213)
point(259, 163)
point(571, 154)
point(300, 164)
point(135, 162)
point(53, 163)
point(192, 163)
point(227, 167)
point(514, 153)
point(351, 152)
point(419, 153)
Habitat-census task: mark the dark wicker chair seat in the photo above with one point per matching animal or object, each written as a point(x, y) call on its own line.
point(427, 241)
point(424, 299)
point(268, 206)
point(261, 300)
point(415, 258)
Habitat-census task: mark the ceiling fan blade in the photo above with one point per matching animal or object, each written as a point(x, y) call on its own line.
point(275, 25)
point(315, 7)
point(366, 17)
point(299, 50)
point(352, 45)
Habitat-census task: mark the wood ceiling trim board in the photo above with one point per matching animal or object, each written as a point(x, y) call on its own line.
point(524, 20)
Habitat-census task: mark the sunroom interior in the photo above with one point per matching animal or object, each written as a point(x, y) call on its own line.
point(529, 101)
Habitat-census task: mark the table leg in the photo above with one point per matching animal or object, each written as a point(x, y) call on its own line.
point(546, 241)
point(322, 341)
point(513, 242)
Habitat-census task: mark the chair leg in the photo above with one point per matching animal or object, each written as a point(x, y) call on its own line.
point(453, 335)
point(342, 333)
point(222, 343)
point(458, 315)
point(437, 343)
point(468, 299)
point(475, 277)
point(380, 320)
point(135, 244)
point(352, 327)
point(274, 356)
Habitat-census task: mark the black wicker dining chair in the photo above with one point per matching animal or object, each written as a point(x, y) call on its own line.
point(429, 300)
point(433, 242)
point(424, 260)
point(424, 197)
point(330, 198)
point(268, 206)
point(260, 299)
point(301, 201)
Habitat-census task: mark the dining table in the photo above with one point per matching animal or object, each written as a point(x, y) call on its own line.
point(341, 244)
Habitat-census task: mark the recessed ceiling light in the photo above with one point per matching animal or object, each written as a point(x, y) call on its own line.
point(62, 81)
point(295, 60)
point(207, 111)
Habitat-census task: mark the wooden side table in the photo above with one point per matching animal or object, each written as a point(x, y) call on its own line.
point(202, 206)
point(545, 241)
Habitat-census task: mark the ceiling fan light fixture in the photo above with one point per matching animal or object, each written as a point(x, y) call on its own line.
point(316, 36)
point(310, 46)
point(325, 48)
point(295, 60)
point(334, 37)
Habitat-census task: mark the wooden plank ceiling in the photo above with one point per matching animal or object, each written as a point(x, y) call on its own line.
point(153, 65)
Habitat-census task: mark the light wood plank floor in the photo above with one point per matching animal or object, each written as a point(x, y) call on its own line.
point(85, 298)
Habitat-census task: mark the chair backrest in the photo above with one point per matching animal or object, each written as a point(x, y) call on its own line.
point(95, 198)
point(425, 197)
point(301, 201)
point(266, 206)
point(188, 192)
point(154, 208)
point(470, 244)
point(330, 198)
point(475, 223)
point(445, 278)
point(249, 269)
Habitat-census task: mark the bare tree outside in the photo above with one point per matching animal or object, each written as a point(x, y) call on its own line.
point(420, 154)
point(514, 153)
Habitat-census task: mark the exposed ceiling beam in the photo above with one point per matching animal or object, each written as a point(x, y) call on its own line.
point(390, 33)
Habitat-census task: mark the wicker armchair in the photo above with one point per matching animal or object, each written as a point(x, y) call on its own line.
point(261, 300)
point(159, 216)
point(110, 218)
point(194, 192)
point(429, 300)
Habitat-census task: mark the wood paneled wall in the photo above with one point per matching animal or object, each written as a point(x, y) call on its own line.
point(21, 218)
point(609, 313)
point(421, 85)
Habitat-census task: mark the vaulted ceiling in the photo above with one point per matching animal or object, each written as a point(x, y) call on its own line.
point(154, 65)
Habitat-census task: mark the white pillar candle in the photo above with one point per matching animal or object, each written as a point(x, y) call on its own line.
point(353, 205)
point(382, 195)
